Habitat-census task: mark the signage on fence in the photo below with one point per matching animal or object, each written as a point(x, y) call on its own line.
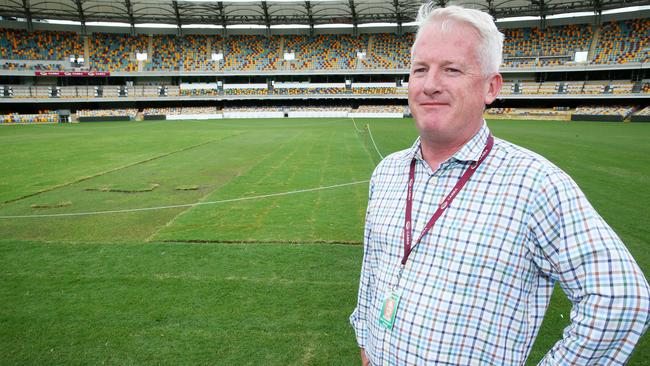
point(72, 73)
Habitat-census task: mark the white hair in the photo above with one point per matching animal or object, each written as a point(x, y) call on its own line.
point(490, 39)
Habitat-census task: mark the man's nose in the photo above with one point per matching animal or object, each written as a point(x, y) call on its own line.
point(431, 82)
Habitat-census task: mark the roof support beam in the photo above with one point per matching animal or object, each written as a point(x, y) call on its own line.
point(398, 17)
point(129, 11)
point(177, 14)
point(542, 12)
point(267, 18)
point(353, 12)
point(492, 9)
point(598, 9)
point(82, 17)
point(222, 18)
point(310, 16)
point(28, 15)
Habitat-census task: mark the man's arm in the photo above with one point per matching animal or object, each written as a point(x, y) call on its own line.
point(364, 358)
point(366, 282)
point(610, 294)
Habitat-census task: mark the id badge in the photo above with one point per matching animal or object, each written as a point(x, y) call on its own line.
point(389, 309)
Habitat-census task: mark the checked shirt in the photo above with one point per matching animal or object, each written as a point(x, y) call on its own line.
point(475, 289)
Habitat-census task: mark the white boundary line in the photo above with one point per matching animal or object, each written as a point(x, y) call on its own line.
point(355, 125)
point(188, 204)
point(373, 141)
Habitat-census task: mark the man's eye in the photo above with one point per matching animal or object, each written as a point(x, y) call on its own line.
point(419, 70)
point(451, 70)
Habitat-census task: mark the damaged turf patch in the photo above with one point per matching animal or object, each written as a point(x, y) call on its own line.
point(187, 188)
point(126, 189)
point(51, 205)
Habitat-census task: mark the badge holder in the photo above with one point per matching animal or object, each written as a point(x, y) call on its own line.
point(389, 309)
point(390, 304)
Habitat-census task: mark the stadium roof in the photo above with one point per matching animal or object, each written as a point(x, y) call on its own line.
point(278, 12)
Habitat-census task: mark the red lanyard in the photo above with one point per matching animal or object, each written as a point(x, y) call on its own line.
point(443, 206)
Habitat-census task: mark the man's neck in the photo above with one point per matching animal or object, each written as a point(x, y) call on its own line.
point(436, 152)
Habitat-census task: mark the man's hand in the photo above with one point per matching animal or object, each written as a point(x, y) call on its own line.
point(364, 358)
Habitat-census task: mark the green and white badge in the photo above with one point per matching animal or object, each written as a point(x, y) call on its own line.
point(389, 309)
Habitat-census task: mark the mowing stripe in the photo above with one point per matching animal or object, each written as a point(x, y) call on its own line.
point(373, 141)
point(188, 204)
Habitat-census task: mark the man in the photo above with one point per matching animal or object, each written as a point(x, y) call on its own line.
point(466, 234)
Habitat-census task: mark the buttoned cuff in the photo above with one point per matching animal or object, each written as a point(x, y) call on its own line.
point(360, 330)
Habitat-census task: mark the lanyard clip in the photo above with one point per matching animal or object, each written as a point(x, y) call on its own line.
point(399, 277)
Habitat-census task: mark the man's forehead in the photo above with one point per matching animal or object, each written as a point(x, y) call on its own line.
point(446, 27)
point(459, 35)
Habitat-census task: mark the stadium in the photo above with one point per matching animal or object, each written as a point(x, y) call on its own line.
point(185, 181)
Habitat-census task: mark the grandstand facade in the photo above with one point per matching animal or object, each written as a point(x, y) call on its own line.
point(592, 61)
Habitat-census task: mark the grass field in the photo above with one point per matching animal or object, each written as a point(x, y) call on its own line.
point(264, 269)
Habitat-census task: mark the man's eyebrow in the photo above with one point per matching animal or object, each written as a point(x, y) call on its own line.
point(458, 63)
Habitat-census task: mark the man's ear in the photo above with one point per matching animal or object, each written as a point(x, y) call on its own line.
point(495, 82)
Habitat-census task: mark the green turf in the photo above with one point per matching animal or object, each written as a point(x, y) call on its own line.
point(160, 287)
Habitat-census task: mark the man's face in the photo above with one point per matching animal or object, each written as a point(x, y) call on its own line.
point(447, 87)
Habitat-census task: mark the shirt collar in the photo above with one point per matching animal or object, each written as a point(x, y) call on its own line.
point(471, 151)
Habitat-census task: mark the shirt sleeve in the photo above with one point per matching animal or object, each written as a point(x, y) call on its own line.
point(366, 281)
point(610, 295)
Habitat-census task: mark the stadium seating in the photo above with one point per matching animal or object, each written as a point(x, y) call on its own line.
point(196, 56)
point(116, 52)
point(595, 87)
point(166, 54)
point(251, 53)
point(549, 88)
point(379, 109)
point(39, 45)
point(622, 111)
point(131, 112)
point(41, 117)
point(624, 41)
point(388, 51)
point(526, 47)
point(161, 111)
point(375, 90)
point(333, 108)
point(618, 42)
point(536, 113)
point(323, 52)
point(252, 109)
point(644, 112)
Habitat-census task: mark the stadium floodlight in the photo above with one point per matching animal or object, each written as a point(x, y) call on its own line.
point(66, 22)
point(374, 25)
point(155, 25)
point(258, 1)
point(109, 24)
point(210, 26)
point(246, 26)
point(516, 19)
point(289, 26)
point(334, 25)
point(626, 10)
point(571, 15)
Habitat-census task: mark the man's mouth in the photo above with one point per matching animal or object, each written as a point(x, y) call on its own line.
point(432, 104)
